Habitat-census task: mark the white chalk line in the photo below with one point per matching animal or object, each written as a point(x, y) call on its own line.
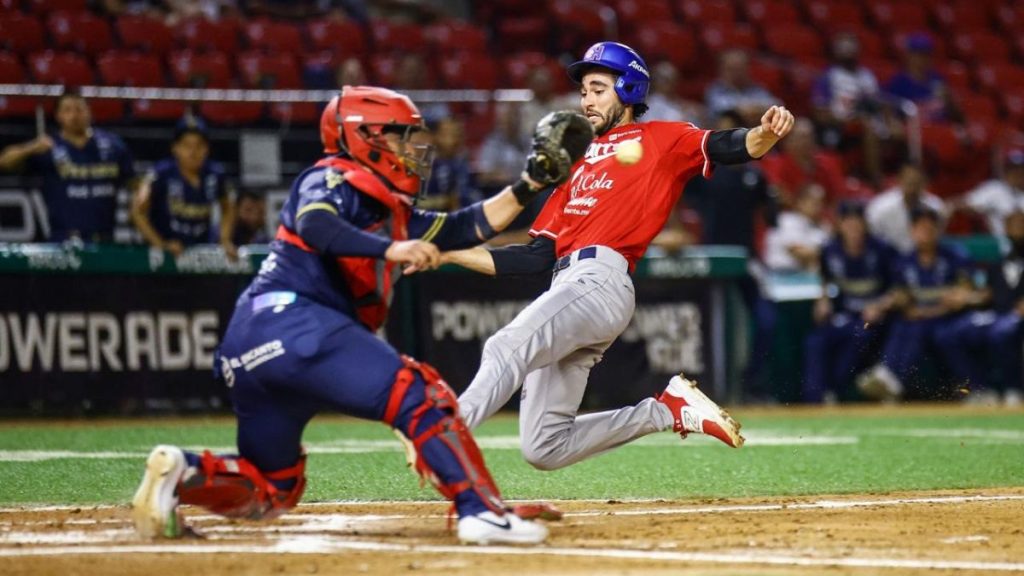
point(321, 545)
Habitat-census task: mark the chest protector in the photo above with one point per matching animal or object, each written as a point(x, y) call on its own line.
point(370, 280)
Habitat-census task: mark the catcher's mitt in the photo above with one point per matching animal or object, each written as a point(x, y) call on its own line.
point(559, 140)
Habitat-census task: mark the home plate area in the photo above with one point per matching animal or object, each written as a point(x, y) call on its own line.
point(948, 532)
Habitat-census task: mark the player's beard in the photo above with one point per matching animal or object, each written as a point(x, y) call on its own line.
point(612, 120)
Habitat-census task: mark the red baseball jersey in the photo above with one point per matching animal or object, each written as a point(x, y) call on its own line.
point(623, 206)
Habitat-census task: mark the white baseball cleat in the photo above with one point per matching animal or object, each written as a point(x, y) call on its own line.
point(155, 505)
point(489, 528)
point(695, 412)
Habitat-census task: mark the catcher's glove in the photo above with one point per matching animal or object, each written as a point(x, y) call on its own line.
point(559, 140)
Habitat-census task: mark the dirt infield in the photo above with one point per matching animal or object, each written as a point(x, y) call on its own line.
point(975, 532)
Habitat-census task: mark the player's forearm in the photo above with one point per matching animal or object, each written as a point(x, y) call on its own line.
point(13, 156)
point(145, 228)
point(476, 259)
point(227, 221)
point(501, 209)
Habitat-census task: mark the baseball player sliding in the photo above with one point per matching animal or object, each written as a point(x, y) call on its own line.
point(592, 230)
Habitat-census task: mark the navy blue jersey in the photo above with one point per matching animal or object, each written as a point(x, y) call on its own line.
point(1006, 281)
point(926, 285)
point(180, 211)
point(80, 185)
point(289, 268)
point(854, 281)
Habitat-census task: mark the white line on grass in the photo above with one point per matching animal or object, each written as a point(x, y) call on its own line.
point(320, 545)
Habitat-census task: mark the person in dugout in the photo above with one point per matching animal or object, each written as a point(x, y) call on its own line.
point(302, 338)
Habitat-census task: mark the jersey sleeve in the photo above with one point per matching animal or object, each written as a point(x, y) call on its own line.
point(448, 230)
point(684, 148)
point(548, 222)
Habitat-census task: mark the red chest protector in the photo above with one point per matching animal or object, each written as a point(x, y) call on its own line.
point(370, 280)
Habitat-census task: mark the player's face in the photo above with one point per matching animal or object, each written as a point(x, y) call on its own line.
point(600, 103)
point(191, 151)
point(73, 116)
point(852, 228)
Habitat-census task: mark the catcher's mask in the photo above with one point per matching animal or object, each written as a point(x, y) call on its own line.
point(382, 130)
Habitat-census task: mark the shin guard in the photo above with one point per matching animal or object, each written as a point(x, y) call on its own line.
point(234, 488)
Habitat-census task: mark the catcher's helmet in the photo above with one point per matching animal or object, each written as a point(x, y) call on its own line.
point(634, 79)
point(356, 122)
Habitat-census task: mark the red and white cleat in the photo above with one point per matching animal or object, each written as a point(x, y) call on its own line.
point(695, 412)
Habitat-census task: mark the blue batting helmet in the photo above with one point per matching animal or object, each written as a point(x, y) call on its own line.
point(634, 79)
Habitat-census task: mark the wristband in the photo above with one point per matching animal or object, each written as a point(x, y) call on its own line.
point(524, 193)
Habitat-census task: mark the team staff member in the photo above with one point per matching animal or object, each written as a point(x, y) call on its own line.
point(592, 231)
point(175, 209)
point(82, 169)
point(302, 337)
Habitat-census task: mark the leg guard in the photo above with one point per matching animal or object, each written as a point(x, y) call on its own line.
point(233, 487)
point(450, 430)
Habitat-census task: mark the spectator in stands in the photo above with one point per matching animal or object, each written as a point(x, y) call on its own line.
point(932, 288)
point(846, 103)
point(855, 277)
point(663, 102)
point(175, 209)
point(82, 169)
point(545, 99)
point(451, 182)
point(920, 83)
point(889, 212)
point(736, 90)
point(992, 338)
point(795, 243)
point(411, 74)
point(499, 159)
point(998, 198)
point(350, 73)
point(801, 163)
point(250, 219)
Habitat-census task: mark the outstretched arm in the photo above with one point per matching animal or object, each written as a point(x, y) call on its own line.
point(517, 259)
point(741, 145)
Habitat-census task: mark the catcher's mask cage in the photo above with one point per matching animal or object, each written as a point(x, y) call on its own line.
point(404, 148)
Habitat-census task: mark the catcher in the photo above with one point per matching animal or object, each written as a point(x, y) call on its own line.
point(301, 339)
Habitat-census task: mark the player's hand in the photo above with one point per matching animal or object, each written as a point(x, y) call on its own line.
point(415, 255)
point(40, 144)
point(822, 310)
point(175, 247)
point(777, 122)
point(872, 314)
point(230, 250)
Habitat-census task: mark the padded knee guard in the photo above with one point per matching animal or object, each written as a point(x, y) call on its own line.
point(235, 488)
point(450, 430)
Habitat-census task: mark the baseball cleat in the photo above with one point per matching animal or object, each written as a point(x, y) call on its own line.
point(695, 412)
point(489, 528)
point(155, 505)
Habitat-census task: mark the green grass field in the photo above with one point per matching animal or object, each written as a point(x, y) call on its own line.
point(788, 453)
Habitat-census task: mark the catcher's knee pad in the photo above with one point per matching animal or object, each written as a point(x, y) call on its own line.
point(235, 488)
point(449, 429)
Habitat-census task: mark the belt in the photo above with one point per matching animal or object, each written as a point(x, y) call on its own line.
point(582, 254)
point(272, 299)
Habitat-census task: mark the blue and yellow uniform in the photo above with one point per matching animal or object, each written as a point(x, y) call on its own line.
point(80, 185)
point(180, 211)
point(835, 350)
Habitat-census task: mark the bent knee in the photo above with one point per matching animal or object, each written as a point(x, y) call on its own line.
point(548, 457)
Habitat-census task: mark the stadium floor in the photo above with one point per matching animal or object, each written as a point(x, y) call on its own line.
point(924, 489)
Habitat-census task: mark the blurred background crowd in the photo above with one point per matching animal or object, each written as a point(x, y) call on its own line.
point(908, 151)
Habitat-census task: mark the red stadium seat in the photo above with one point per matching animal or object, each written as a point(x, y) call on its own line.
point(1010, 17)
point(344, 37)
point(206, 35)
point(455, 36)
point(768, 74)
point(636, 12)
point(957, 75)
point(517, 68)
point(396, 37)
point(528, 31)
point(231, 113)
point(276, 71)
point(295, 112)
point(273, 36)
point(718, 37)
point(977, 106)
point(130, 69)
point(971, 15)
point(20, 33)
point(79, 31)
point(770, 13)
point(899, 14)
point(470, 70)
point(579, 23)
point(61, 68)
point(1013, 103)
point(12, 72)
point(871, 44)
point(793, 41)
point(157, 110)
point(701, 12)
point(145, 34)
point(198, 70)
point(382, 69)
point(666, 41)
point(1001, 77)
point(981, 46)
point(883, 69)
point(47, 6)
point(832, 15)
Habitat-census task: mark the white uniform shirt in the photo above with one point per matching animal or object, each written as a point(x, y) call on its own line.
point(792, 229)
point(995, 200)
point(889, 219)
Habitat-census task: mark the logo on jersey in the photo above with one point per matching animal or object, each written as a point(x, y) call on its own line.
point(597, 152)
